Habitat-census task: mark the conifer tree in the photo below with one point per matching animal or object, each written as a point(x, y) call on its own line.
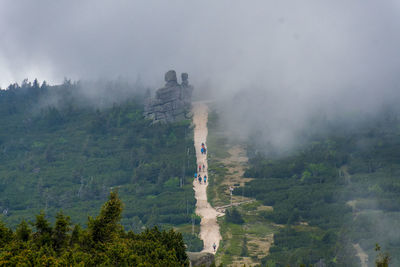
point(104, 243)
point(23, 231)
point(43, 230)
point(60, 233)
point(105, 227)
point(5, 234)
point(76, 232)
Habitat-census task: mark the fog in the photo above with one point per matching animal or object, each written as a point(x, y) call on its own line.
point(272, 64)
point(272, 67)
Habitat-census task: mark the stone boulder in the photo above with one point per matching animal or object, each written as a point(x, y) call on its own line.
point(172, 102)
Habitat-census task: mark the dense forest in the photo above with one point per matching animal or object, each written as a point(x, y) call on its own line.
point(64, 147)
point(103, 243)
point(339, 189)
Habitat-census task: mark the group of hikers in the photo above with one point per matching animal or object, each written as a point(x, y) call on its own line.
point(201, 168)
point(204, 168)
point(198, 176)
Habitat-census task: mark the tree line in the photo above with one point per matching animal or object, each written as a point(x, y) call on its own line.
point(103, 243)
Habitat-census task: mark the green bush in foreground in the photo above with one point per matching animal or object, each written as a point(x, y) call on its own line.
point(104, 243)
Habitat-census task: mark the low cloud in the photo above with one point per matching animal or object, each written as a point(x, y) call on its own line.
point(273, 64)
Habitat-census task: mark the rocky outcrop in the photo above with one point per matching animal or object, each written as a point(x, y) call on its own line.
point(172, 102)
point(200, 259)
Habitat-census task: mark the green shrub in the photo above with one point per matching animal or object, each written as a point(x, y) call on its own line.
point(232, 215)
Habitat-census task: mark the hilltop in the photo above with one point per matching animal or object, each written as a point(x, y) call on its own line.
point(64, 147)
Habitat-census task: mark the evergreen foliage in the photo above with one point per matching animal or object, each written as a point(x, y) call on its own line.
point(339, 189)
point(382, 259)
point(232, 215)
point(104, 243)
point(65, 146)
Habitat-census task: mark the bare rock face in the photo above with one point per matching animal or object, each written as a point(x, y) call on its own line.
point(172, 102)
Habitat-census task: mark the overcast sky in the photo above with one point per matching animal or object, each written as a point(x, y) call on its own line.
point(286, 55)
point(228, 43)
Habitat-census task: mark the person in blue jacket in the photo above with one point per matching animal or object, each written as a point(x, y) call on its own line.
point(205, 179)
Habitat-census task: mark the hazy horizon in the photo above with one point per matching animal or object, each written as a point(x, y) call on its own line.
point(269, 62)
point(276, 70)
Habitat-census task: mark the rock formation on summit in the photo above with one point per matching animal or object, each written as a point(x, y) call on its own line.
point(172, 102)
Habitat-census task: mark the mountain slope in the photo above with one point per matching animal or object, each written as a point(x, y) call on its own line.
point(61, 148)
point(337, 191)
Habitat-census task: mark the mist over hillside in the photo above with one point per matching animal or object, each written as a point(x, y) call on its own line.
point(275, 64)
point(316, 83)
point(279, 124)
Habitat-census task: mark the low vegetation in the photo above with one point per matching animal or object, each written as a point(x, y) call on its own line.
point(337, 190)
point(103, 243)
point(64, 148)
point(316, 202)
point(246, 234)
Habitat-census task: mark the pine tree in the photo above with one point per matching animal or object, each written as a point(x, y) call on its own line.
point(76, 232)
point(105, 227)
point(5, 234)
point(43, 230)
point(103, 244)
point(23, 231)
point(60, 233)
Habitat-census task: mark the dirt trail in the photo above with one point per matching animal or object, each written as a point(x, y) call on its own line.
point(257, 245)
point(361, 255)
point(353, 204)
point(209, 228)
point(236, 164)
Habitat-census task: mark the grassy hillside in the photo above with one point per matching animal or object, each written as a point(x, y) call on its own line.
point(339, 190)
point(317, 203)
point(64, 148)
point(246, 234)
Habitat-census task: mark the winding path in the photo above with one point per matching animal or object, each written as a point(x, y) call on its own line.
point(209, 228)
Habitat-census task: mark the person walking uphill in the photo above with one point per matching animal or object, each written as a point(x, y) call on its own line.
point(209, 228)
point(203, 149)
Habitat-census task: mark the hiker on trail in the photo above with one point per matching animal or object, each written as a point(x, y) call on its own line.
point(199, 168)
point(195, 175)
point(204, 167)
point(199, 179)
point(205, 179)
point(214, 247)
